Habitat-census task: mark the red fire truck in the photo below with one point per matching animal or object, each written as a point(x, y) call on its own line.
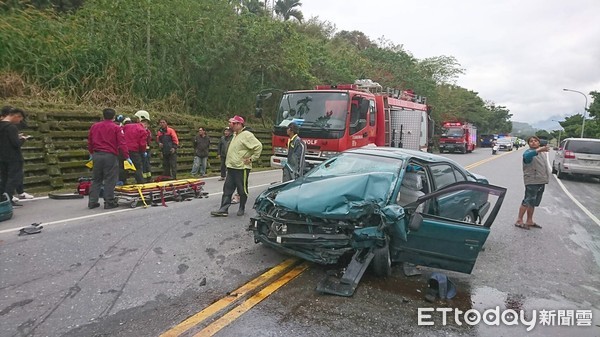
point(334, 118)
point(458, 136)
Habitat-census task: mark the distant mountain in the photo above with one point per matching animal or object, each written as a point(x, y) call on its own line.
point(522, 129)
point(549, 124)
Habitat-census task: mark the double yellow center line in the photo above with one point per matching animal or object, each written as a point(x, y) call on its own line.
point(483, 161)
point(237, 296)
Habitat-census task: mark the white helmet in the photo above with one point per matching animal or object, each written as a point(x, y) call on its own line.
point(143, 114)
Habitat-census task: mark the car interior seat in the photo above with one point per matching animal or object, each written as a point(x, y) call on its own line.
point(412, 183)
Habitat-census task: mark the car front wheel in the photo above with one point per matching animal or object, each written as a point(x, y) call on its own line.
point(382, 261)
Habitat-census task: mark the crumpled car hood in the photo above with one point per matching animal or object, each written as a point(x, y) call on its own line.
point(337, 197)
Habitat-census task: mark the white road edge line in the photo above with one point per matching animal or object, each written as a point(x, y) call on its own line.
point(585, 210)
point(100, 214)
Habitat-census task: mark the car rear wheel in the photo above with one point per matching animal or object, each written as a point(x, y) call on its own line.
point(553, 168)
point(382, 261)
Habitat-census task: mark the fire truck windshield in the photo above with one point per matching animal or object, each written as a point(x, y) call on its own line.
point(320, 110)
point(453, 132)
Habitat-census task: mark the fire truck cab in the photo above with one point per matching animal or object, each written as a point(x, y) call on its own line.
point(458, 136)
point(334, 118)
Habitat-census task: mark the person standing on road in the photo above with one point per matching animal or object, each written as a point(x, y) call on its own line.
point(244, 148)
point(11, 157)
point(106, 142)
point(21, 194)
point(168, 143)
point(201, 147)
point(146, 169)
point(535, 175)
point(294, 168)
point(222, 151)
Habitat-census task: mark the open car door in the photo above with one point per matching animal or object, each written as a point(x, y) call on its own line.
point(437, 241)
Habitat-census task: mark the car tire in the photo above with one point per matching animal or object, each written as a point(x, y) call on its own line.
point(65, 196)
point(560, 174)
point(553, 168)
point(382, 261)
point(470, 217)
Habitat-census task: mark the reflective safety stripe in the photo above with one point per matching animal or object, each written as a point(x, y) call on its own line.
point(245, 181)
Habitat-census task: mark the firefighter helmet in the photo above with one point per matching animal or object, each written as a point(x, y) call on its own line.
point(143, 114)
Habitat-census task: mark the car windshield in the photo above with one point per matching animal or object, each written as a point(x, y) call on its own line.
point(322, 110)
point(504, 141)
point(453, 132)
point(581, 146)
point(354, 163)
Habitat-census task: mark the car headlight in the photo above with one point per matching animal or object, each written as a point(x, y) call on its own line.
point(280, 150)
point(329, 154)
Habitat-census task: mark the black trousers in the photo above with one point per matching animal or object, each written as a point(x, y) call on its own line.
point(11, 176)
point(170, 164)
point(223, 167)
point(105, 172)
point(236, 179)
point(136, 159)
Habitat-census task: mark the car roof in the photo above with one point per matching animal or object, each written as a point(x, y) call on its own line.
point(404, 154)
point(583, 139)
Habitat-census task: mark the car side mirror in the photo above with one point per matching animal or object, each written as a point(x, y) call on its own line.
point(555, 148)
point(415, 221)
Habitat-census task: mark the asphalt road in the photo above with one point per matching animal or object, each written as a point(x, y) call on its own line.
point(141, 272)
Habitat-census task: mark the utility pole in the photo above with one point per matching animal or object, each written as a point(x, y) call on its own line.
point(584, 109)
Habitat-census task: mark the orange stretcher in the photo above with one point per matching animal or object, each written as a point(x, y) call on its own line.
point(159, 192)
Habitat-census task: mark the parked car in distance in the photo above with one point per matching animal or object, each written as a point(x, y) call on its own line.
point(505, 144)
point(383, 205)
point(577, 156)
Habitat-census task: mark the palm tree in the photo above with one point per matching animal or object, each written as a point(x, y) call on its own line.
point(287, 10)
point(255, 7)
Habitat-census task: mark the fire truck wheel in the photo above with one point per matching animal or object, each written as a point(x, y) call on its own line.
point(65, 196)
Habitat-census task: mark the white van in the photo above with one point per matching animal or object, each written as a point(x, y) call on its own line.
point(577, 156)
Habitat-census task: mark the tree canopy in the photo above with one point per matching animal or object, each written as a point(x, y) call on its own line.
point(210, 57)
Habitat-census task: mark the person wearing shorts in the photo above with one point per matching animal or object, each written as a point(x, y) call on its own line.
point(535, 175)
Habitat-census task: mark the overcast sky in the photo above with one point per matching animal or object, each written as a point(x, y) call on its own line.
point(516, 53)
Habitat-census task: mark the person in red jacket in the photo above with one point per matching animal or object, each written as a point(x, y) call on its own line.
point(105, 141)
point(168, 143)
point(147, 169)
point(135, 138)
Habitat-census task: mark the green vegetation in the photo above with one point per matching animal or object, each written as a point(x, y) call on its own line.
point(572, 124)
point(207, 58)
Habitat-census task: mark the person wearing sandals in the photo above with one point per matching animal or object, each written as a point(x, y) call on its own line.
point(536, 175)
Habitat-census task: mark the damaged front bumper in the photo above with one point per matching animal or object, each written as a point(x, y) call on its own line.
point(319, 248)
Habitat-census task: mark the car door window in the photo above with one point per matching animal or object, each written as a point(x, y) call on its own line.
point(453, 205)
point(444, 175)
